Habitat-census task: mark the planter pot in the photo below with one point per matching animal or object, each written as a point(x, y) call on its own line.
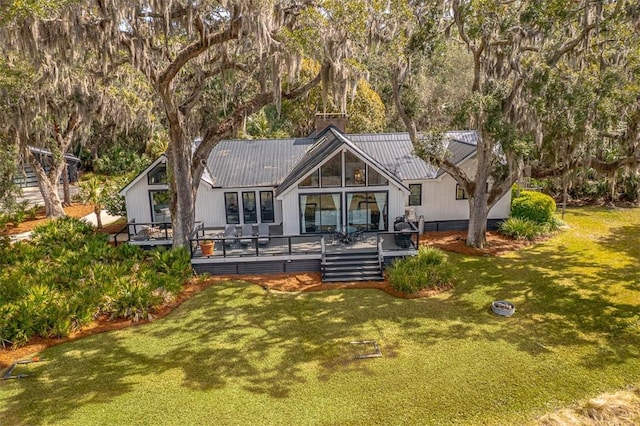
point(502, 307)
point(206, 248)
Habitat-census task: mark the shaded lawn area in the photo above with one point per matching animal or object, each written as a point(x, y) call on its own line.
point(236, 354)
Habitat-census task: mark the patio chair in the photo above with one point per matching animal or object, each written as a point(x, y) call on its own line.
point(247, 233)
point(357, 236)
point(229, 237)
point(263, 234)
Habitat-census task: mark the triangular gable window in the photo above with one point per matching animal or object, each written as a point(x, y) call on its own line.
point(356, 173)
point(158, 175)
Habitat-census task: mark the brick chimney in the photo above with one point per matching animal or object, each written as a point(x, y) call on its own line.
point(324, 120)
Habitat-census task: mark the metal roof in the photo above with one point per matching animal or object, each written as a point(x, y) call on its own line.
point(36, 150)
point(329, 141)
point(239, 163)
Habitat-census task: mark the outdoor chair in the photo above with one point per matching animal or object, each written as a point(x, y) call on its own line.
point(229, 235)
point(357, 236)
point(263, 234)
point(247, 233)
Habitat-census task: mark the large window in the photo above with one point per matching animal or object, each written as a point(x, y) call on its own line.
point(311, 181)
point(331, 172)
point(320, 212)
point(160, 206)
point(249, 211)
point(158, 175)
point(415, 194)
point(375, 179)
point(356, 173)
point(355, 170)
point(367, 211)
point(231, 207)
point(266, 207)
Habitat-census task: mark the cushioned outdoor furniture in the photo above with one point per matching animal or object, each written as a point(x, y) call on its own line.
point(247, 234)
point(263, 234)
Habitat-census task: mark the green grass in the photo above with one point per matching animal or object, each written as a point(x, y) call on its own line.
point(235, 354)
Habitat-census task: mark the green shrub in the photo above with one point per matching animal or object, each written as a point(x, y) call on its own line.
point(133, 299)
point(522, 229)
point(534, 206)
point(62, 233)
point(68, 275)
point(429, 269)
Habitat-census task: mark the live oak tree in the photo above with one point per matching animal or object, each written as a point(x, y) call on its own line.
point(509, 42)
point(214, 63)
point(588, 109)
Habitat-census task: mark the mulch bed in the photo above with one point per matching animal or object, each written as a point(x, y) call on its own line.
point(74, 210)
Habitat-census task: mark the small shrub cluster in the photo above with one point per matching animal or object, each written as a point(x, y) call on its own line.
point(18, 212)
point(67, 275)
point(531, 215)
point(534, 206)
point(429, 269)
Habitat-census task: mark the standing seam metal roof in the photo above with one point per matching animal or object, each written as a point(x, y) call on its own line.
point(240, 163)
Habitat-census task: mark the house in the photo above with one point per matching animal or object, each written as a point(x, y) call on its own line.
point(26, 176)
point(318, 185)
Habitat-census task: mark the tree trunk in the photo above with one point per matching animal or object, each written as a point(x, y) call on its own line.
point(48, 187)
point(478, 208)
point(478, 213)
point(183, 189)
point(97, 210)
point(52, 203)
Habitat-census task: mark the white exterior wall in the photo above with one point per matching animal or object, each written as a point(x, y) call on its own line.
point(138, 201)
point(210, 208)
point(439, 199)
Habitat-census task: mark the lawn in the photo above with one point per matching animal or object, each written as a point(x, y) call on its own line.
point(237, 354)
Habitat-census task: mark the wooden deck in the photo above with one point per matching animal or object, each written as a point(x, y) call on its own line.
point(277, 253)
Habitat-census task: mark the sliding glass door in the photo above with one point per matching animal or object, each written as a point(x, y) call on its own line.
point(320, 212)
point(367, 211)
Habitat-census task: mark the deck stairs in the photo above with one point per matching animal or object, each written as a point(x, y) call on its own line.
point(360, 266)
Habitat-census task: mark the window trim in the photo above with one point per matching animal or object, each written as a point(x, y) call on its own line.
point(151, 209)
point(226, 207)
point(150, 172)
point(272, 210)
point(410, 203)
point(461, 194)
point(255, 207)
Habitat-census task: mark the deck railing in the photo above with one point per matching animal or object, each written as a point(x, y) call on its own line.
point(141, 232)
point(257, 246)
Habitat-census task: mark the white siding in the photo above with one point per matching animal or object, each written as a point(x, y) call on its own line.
point(138, 201)
point(396, 203)
point(439, 200)
point(291, 213)
point(210, 207)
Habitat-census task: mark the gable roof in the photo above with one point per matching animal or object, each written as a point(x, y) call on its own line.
point(143, 173)
point(395, 152)
point(242, 163)
point(329, 141)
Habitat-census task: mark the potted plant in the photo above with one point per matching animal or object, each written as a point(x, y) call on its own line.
point(206, 247)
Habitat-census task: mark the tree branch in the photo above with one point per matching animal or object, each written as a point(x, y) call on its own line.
point(196, 48)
